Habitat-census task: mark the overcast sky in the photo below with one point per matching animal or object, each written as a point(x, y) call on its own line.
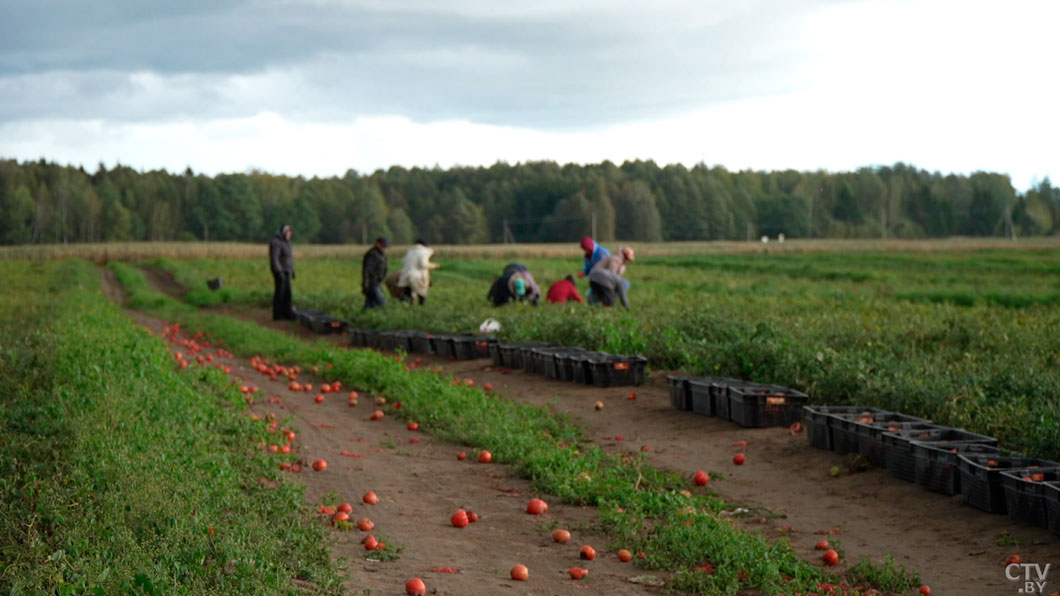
point(318, 87)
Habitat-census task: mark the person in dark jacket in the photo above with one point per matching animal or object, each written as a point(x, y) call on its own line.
point(606, 286)
point(281, 261)
point(515, 284)
point(373, 273)
point(564, 290)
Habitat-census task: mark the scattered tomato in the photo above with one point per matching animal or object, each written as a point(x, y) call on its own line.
point(536, 507)
point(738, 459)
point(461, 456)
point(485, 457)
point(633, 395)
point(376, 415)
point(560, 536)
point(353, 395)
point(472, 517)
point(320, 465)
point(625, 556)
point(830, 557)
point(520, 573)
point(587, 552)
point(577, 572)
point(319, 399)
point(459, 519)
point(340, 517)
point(370, 543)
point(925, 590)
point(365, 525)
point(344, 507)
point(415, 587)
point(414, 426)
point(1013, 560)
point(370, 498)
point(701, 478)
point(488, 386)
point(821, 545)
point(599, 405)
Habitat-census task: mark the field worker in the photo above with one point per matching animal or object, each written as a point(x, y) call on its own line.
point(606, 285)
point(593, 254)
point(415, 277)
point(616, 263)
point(514, 285)
point(563, 291)
point(373, 273)
point(281, 262)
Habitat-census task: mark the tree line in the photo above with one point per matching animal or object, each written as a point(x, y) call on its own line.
point(44, 202)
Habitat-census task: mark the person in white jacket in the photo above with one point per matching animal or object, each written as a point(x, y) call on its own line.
point(415, 277)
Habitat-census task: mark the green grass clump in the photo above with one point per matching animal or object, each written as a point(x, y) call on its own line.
point(122, 475)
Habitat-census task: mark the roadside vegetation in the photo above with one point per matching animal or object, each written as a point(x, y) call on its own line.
point(122, 475)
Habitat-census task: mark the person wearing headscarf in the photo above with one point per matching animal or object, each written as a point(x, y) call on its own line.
point(515, 284)
point(616, 263)
point(594, 252)
point(415, 277)
point(373, 273)
point(281, 262)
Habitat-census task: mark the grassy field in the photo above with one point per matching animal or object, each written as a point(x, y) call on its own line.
point(965, 337)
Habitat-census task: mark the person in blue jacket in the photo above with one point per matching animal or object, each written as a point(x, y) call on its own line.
point(594, 253)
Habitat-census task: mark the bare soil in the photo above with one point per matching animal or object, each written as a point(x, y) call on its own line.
point(785, 483)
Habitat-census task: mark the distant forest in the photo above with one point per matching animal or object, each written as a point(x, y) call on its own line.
point(42, 202)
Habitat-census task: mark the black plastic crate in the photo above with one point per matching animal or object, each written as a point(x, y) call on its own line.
point(817, 421)
point(848, 430)
point(981, 477)
point(870, 437)
point(617, 371)
point(508, 354)
point(1025, 495)
point(420, 342)
point(901, 462)
point(552, 363)
point(355, 336)
point(582, 366)
point(393, 341)
point(1052, 506)
point(521, 356)
point(704, 391)
point(936, 463)
point(370, 337)
point(759, 406)
point(568, 365)
point(495, 353)
point(442, 345)
point(536, 363)
point(470, 347)
point(680, 392)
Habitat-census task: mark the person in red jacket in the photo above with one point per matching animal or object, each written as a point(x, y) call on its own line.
point(564, 290)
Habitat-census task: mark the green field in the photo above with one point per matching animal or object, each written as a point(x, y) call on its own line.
point(966, 337)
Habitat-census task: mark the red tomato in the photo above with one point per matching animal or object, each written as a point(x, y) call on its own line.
point(633, 395)
point(320, 465)
point(536, 507)
point(587, 552)
point(821, 545)
point(577, 572)
point(344, 507)
point(340, 516)
point(370, 498)
point(365, 525)
point(319, 399)
point(1013, 560)
point(414, 426)
point(925, 590)
point(459, 519)
point(738, 459)
point(625, 556)
point(560, 536)
point(484, 457)
point(462, 455)
point(325, 388)
point(472, 517)
point(377, 415)
point(701, 478)
point(415, 587)
point(488, 386)
point(830, 557)
point(520, 573)
point(370, 543)
point(353, 395)
point(352, 402)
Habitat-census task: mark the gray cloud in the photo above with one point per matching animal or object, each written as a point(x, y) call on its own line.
point(547, 65)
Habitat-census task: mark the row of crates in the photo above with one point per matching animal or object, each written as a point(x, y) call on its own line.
point(567, 363)
point(942, 459)
point(753, 405)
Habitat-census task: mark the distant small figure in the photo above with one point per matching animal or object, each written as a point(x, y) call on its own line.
point(780, 238)
point(373, 273)
point(564, 290)
point(516, 284)
point(281, 262)
point(606, 286)
point(765, 239)
point(214, 284)
point(415, 277)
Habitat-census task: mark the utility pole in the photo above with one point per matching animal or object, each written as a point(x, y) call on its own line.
point(594, 225)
